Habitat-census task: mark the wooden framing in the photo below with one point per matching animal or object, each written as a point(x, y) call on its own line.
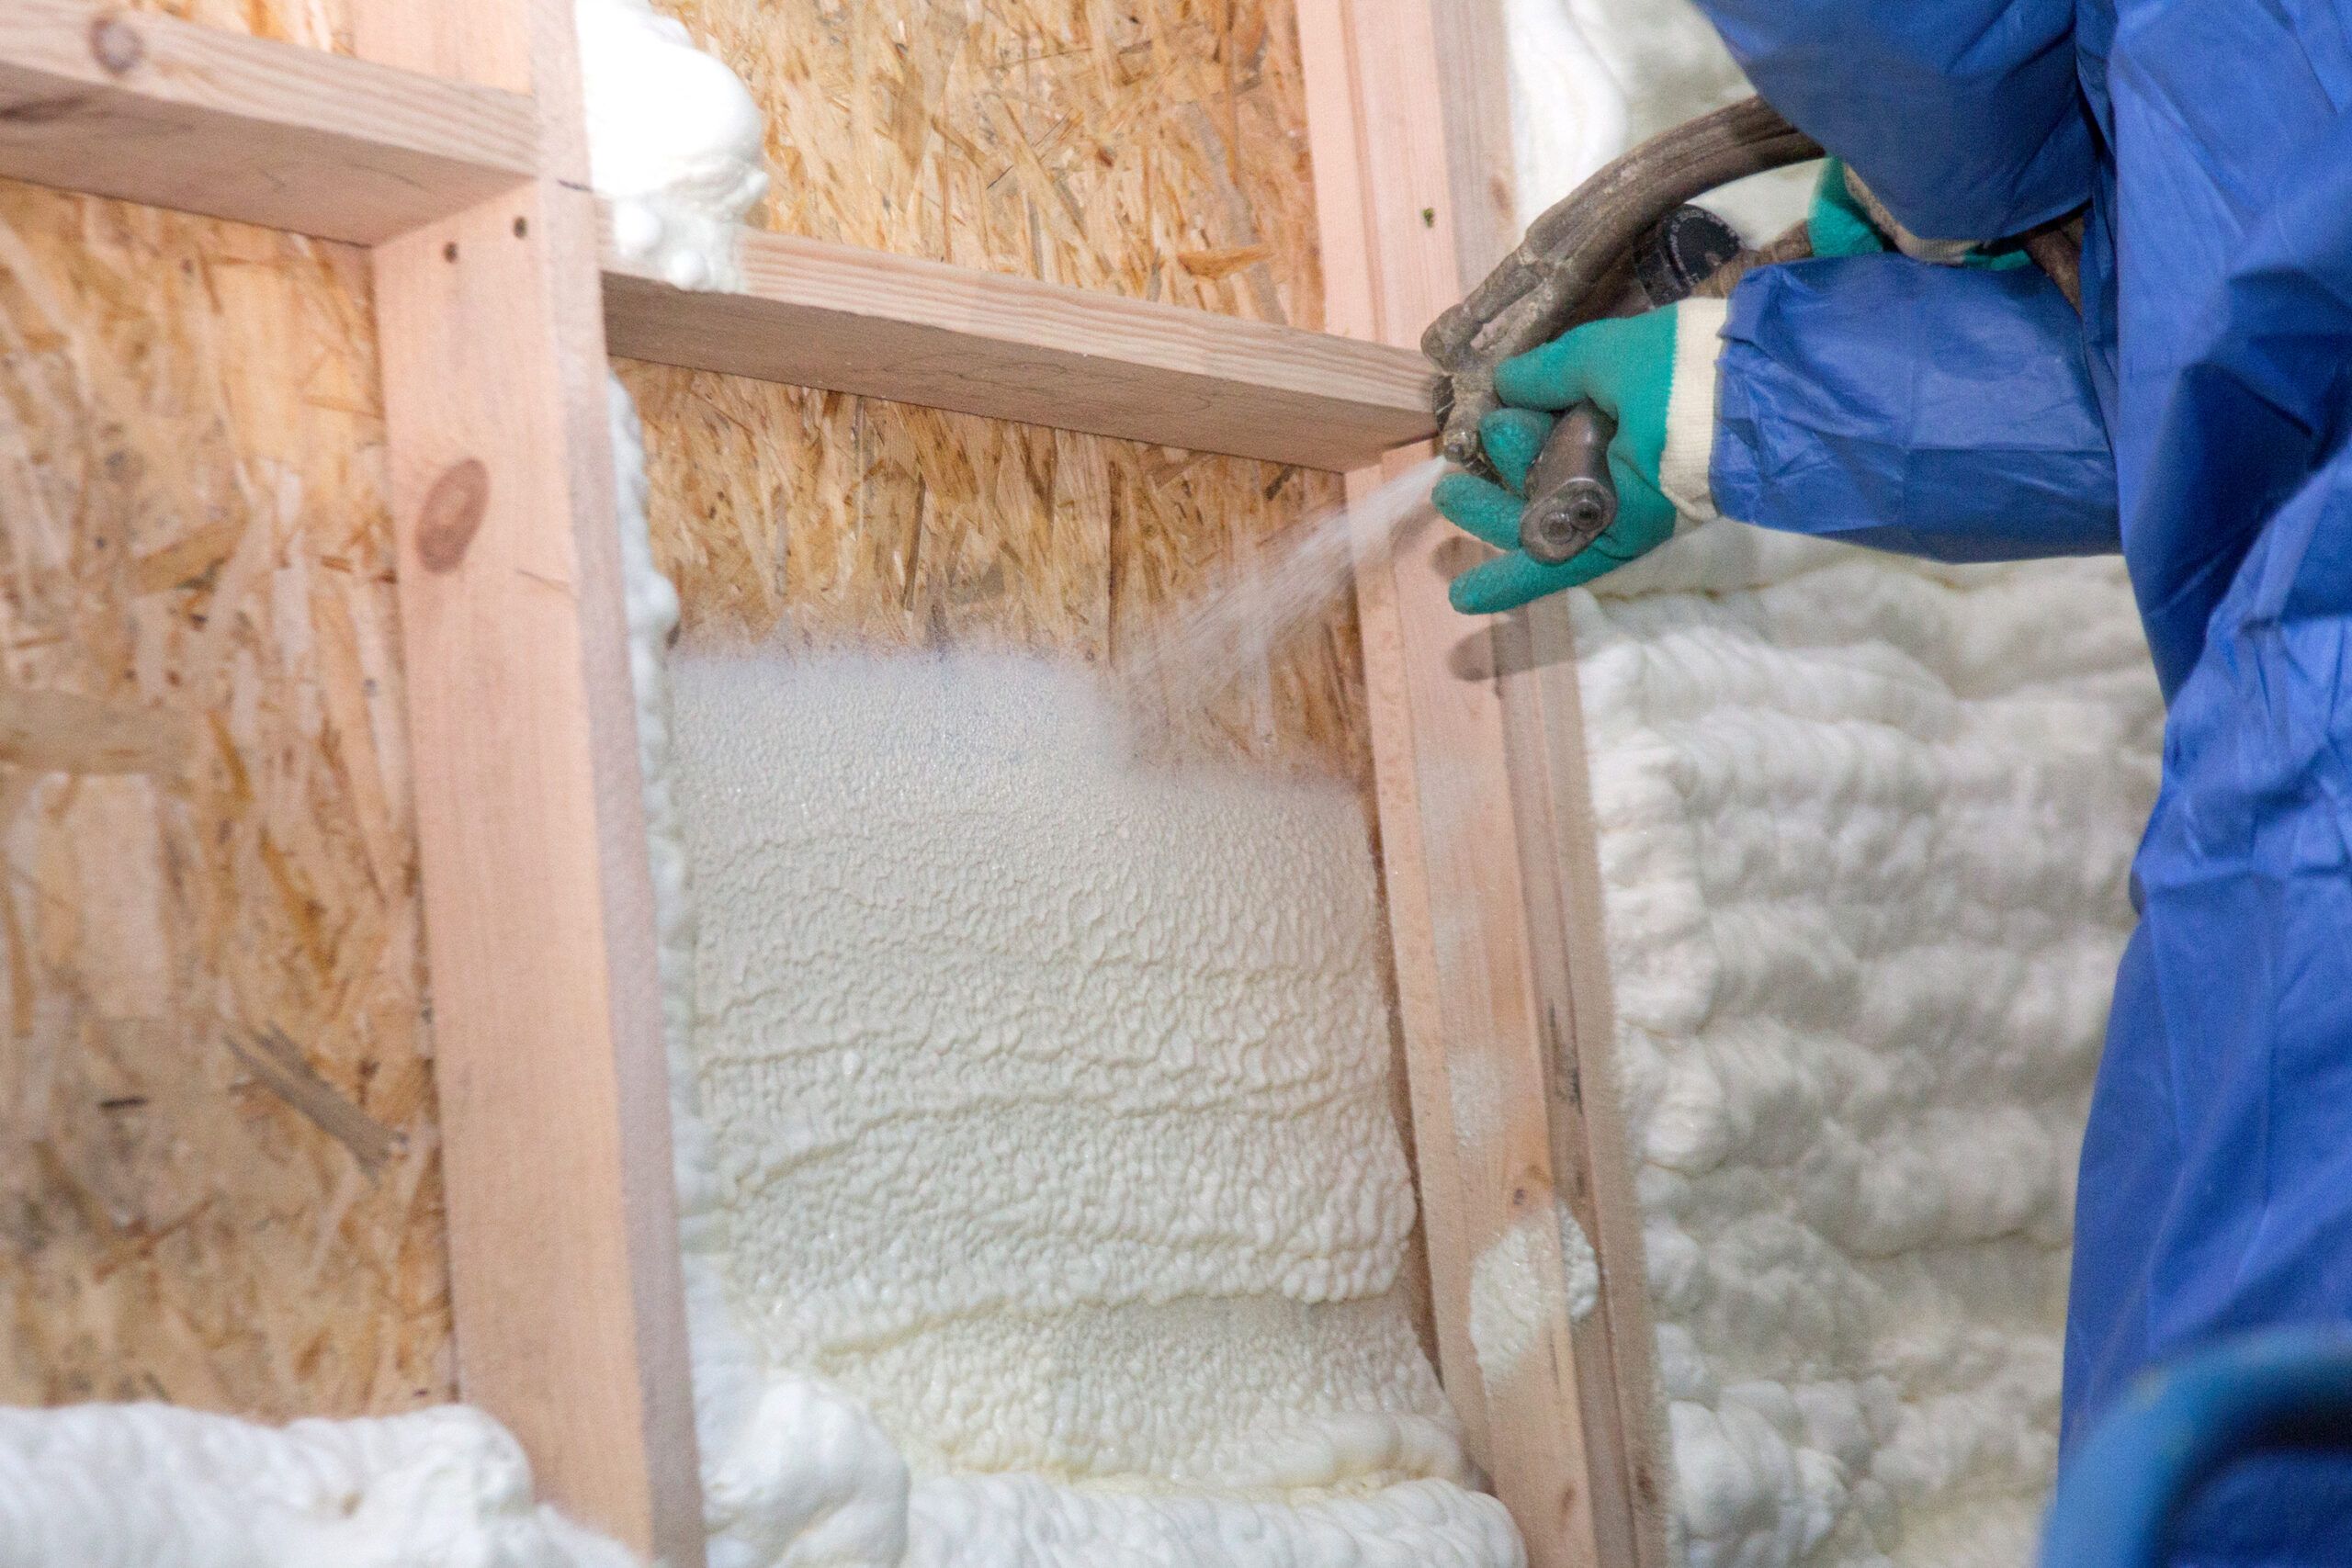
point(565, 1272)
point(178, 115)
point(857, 320)
point(455, 148)
point(1492, 892)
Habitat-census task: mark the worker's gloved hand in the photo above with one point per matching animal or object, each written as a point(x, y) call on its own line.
point(1627, 366)
point(1845, 220)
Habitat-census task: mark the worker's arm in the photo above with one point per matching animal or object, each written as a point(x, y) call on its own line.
point(1934, 411)
point(1937, 411)
point(1963, 115)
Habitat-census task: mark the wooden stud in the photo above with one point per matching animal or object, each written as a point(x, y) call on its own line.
point(1552, 797)
point(1558, 848)
point(849, 320)
point(1477, 750)
point(553, 1088)
point(149, 108)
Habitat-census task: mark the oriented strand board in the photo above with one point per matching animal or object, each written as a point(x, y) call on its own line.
point(1154, 150)
point(218, 1176)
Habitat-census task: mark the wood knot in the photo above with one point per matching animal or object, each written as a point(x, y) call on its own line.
point(116, 45)
point(452, 515)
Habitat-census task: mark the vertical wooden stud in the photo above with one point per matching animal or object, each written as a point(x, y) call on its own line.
point(1487, 839)
point(539, 907)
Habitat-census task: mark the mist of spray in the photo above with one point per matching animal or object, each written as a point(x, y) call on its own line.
point(1247, 612)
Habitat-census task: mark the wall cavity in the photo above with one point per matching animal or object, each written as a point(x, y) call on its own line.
point(1042, 1200)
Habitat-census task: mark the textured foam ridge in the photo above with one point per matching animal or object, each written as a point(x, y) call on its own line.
point(817, 1481)
point(1864, 832)
point(1072, 1013)
point(1418, 1524)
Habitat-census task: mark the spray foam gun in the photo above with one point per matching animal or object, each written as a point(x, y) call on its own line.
point(1623, 242)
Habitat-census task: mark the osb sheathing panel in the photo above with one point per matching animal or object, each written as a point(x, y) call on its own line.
point(218, 1181)
point(1154, 150)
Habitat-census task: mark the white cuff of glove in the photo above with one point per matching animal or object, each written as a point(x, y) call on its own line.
point(1690, 412)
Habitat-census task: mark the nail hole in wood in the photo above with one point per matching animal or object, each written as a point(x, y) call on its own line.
point(452, 515)
point(116, 45)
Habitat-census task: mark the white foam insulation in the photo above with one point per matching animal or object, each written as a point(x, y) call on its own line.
point(1865, 829)
point(157, 1487)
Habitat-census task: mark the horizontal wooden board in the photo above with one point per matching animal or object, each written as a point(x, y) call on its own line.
point(152, 109)
point(853, 320)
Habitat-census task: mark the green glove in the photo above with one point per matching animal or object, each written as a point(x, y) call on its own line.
point(1627, 366)
point(1835, 223)
point(1840, 223)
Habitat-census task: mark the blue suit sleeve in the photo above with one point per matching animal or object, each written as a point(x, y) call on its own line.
point(1963, 115)
point(1933, 410)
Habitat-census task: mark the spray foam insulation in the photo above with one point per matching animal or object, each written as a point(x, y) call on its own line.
point(158, 1486)
point(1864, 834)
point(1043, 1110)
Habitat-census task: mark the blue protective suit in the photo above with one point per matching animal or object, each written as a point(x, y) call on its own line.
point(1972, 416)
